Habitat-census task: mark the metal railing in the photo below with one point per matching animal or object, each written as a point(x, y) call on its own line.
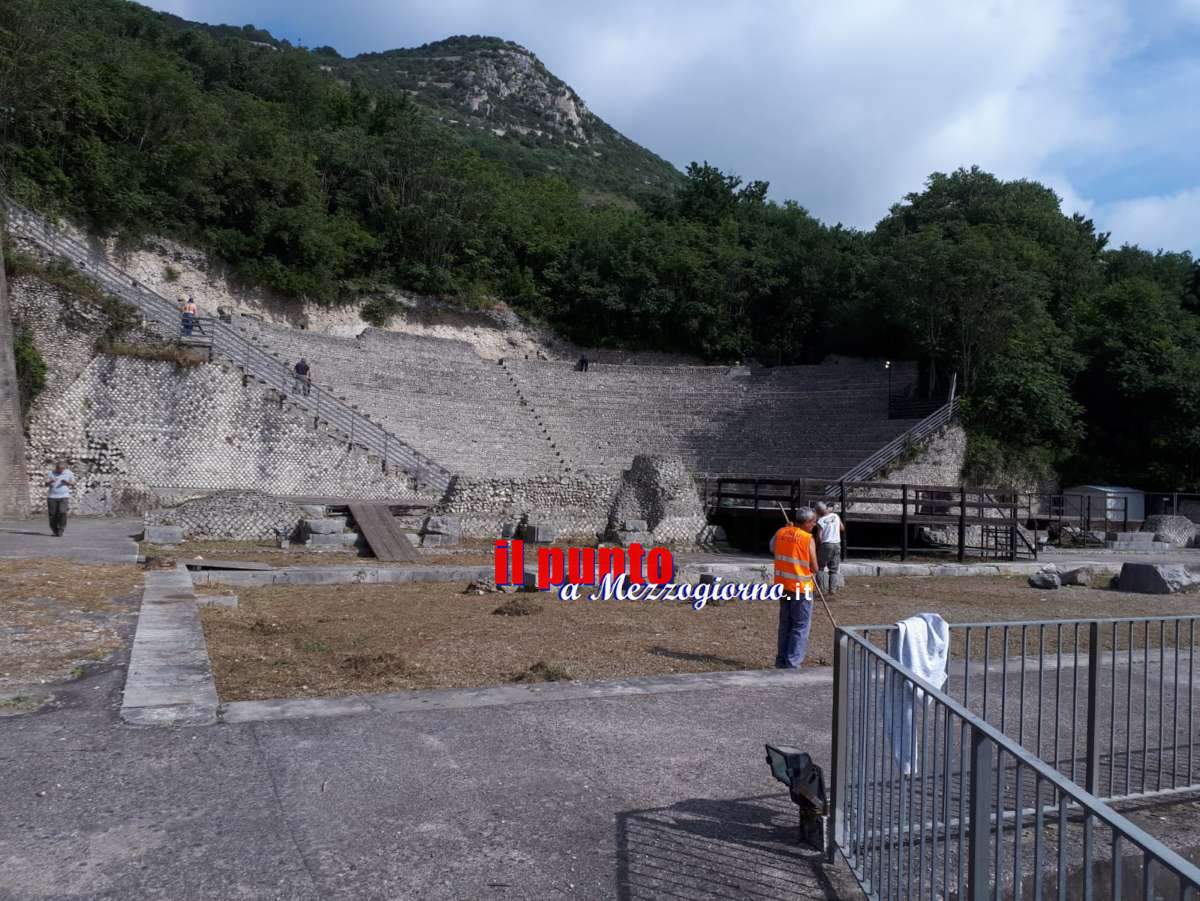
point(227, 341)
point(974, 790)
point(902, 443)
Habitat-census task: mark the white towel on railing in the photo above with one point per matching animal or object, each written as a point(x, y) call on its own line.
point(920, 644)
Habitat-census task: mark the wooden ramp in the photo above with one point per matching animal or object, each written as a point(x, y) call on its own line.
point(381, 531)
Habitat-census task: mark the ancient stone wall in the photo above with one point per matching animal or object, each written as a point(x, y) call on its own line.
point(14, 490)
point(130, 425)
point(234, 515)
point(574, 507)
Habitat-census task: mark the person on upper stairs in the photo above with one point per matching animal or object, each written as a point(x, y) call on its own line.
point(189, 310)
point(582, 365)
point(303, 376)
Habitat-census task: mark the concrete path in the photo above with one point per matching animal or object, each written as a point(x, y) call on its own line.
point(170, 680)
point(651, 795)
point(91, 539)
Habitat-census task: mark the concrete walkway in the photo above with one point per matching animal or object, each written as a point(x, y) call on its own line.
point(90, 539)
point(647, 795)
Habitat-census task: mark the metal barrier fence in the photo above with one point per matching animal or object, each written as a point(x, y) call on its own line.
point(933, 796)
point(232, 345)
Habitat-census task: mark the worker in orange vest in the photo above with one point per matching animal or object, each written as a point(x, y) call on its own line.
point(795, 563)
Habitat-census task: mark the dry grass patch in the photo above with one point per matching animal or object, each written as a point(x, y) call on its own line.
point(472, 553)
point(329, 640)
point(56, 616)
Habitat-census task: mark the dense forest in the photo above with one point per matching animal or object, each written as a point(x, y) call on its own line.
point(1072, 355)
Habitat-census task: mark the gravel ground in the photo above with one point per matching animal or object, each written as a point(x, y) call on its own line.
point(471, 553)
point(320, 641)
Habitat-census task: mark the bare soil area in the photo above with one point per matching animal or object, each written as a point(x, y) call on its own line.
point(55, 618)
point(471, 553)
point(330, 640)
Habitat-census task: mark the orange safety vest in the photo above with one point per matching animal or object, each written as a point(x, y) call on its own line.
point(795, 558)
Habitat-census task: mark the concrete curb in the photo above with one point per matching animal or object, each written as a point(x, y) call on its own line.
point(169, 682)
point(756, 572)
point(504, 695)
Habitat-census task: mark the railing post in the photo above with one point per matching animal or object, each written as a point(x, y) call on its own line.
point(983, 779)
point(845, 518)
point(1087, 522)
point(841, 743)
point(756, 530)
point(904, 521)
point(962, 522)
point(1125, 517)
point(1093, 707)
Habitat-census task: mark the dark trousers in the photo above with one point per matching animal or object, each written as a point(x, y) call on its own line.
point(57, 508)
point(188, 322)
point(795, 618)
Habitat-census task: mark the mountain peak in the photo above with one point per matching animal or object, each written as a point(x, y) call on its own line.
point(504, 100)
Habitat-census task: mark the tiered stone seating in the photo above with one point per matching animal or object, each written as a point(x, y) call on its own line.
point(523, 417)
point(796, 420)
point(435, 394)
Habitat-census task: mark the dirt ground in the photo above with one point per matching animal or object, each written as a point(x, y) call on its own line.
point(470, 553)
point(330, 640)
point(57, 617)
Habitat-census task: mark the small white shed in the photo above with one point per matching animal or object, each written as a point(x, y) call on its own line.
point(1110, 499)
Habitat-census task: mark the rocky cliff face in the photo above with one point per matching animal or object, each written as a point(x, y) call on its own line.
point(504, 101)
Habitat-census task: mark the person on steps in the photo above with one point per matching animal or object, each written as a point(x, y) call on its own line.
point(190, 312)
point(303, 378)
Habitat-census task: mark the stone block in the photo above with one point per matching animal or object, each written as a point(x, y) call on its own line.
point(319, 540)
point(635, 525)
point(1159, 578)
point(625, 539)
point(441, 531)
point(163, 534)
point(217, 600)
point(1080, 576)
point(324, 526)
point(313, 511)
point(1178, 531)
point(1045, 580)
point(539, 533)
point(1130, 538)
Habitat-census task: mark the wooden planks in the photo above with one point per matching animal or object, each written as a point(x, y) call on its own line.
point(381, 531)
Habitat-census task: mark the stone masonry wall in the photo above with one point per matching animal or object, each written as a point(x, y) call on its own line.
point(128, 425)
point(14, 493)
point(576, 507)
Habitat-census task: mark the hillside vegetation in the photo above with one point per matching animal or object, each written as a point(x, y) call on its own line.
point(324, 178)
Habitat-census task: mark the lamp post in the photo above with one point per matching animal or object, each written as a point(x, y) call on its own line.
point(887, 364)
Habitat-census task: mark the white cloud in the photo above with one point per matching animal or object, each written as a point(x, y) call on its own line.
point(1165, 222)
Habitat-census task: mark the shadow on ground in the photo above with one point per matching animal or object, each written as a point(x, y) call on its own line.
point(712, 659)
point(744, 849)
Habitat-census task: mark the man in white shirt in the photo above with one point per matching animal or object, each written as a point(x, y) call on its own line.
point(830, 531)
point(59, 481)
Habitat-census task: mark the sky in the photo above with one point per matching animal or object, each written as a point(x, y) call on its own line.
point(846, 105)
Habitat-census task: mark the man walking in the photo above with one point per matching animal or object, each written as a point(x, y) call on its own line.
point(830, 532)
point(60, 481)
point(795, 563)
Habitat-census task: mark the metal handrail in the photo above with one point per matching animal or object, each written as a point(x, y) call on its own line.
point(240, 351)
point(898, 445)
point(857, 664)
